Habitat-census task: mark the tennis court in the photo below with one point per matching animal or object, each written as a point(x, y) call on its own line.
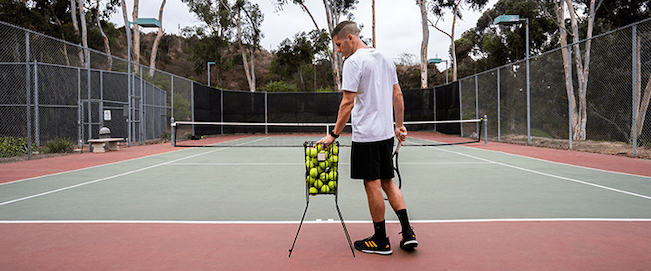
point(473, 207)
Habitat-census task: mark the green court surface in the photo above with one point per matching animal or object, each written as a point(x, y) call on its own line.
point(267, 185)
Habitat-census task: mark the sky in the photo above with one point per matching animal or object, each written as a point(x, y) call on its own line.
point(398, 25)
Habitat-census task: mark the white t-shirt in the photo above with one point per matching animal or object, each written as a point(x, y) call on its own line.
point(372, 76)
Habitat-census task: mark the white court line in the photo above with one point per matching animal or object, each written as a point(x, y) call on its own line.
point(81, 169)
point(295, 164)
point(565, 164)
point(111, 177)
point(548, 175)
point(323, 221)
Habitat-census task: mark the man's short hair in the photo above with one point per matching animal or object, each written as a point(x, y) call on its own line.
point(344, 28)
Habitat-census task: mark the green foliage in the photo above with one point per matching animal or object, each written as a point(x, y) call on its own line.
point(292, 54)
point(181, 108)
point(165, 136)
point(280, 86)
point(325, 89)
point(58, 145)
point(11, 146)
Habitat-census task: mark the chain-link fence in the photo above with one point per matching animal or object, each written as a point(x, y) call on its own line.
point(48, 91)
point(615, 100)
point(52, 89)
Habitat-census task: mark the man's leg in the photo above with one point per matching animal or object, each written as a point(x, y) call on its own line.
point(394, 195)
point(378, 243)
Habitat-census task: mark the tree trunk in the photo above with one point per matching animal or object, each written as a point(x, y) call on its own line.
point(453, 46)
point(75, 25)
point(154, 48)
point(335, 57)
point(136, 36)
point(107, 48)
point(304, 7)
point(641, 103)
point(582, 64)
point(243, 51)
point(423, 44)
point(84, 33)
point(64, 51)
point(560, 17)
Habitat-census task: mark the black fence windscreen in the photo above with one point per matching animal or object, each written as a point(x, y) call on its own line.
point(448, 108)
point(216, 105)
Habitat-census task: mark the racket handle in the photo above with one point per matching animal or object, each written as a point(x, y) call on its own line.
point(398, 147)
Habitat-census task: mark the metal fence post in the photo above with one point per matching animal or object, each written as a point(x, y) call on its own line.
point(636, 78)
point(142, 109)
point(28, 100)
point(477, 101)
point(570, 98)
point(192, 104)
point(88, 98)
point(460, 108)
point(266, 128)
point(499, 102)
point(79, 107)
point(101, 99)
point(37, 129)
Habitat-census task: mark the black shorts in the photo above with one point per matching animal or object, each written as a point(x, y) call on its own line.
point(371, 160)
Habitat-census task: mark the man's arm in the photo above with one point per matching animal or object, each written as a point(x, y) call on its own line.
point(399, 113)
point(345, 108)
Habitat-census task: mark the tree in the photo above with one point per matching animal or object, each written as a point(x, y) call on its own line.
point(422, 4)
point(248, 31)
point(292, 55)
point(498, 45)
point(159, 35)
point(455, 6)
point(217, 28)
point(579, 115)
point(334, 9)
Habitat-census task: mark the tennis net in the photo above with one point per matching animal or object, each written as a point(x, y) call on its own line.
point(241, 134)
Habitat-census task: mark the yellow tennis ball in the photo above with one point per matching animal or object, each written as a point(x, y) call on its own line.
point(318, 184)
point(310, 181)
point(311, 152)
point(313, 190)
point(325, 189)
point(334, 150)
point(332, 185)
point(314, 172)
point(334, 159)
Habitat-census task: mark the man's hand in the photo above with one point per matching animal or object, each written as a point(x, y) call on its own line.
point(401, 133)
point(325, 140)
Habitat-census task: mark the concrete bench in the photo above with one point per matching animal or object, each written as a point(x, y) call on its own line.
point(98, 144)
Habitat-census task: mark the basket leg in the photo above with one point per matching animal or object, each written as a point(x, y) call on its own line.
point(341, 218)
point(299, 227)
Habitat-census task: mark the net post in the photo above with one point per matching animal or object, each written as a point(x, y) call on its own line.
point(485, 123)
point(173, 132)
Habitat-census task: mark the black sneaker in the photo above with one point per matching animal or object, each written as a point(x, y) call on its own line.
point(370, 245)
point(408, 241)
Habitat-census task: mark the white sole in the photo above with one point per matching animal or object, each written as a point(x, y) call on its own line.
point(378, 252)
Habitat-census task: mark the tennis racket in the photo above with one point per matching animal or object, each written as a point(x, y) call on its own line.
point(394, 157)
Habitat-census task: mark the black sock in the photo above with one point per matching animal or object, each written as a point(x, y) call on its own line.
point(404, 220)
point(380, 231)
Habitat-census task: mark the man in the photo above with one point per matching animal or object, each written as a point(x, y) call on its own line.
point(372, 97)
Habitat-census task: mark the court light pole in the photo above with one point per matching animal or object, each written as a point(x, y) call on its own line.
point(144, 22)
point(208, 64)
point(437, 61)
point(509, 20)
